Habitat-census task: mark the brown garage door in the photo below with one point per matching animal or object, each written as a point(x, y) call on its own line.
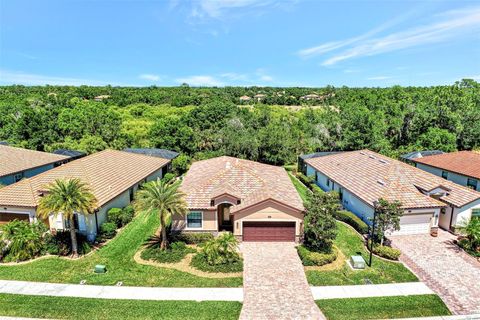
point(6, 217)
point(269, 231)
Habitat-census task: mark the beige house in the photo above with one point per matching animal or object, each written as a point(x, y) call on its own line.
point(113, 177)
point(257, 202)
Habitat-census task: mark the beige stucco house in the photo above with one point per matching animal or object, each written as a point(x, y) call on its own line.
point(257, 202)
point(112, 175)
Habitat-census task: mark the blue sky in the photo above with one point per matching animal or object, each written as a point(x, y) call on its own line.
point(239, 42)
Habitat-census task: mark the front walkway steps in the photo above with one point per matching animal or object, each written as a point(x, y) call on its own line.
point(371, 290)
point(114, 292)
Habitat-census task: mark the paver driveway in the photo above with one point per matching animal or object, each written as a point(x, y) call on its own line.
point(274, 283)
point(447, 270)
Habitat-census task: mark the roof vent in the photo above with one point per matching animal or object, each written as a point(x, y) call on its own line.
point(361, 152)
point(228, 165)
point(380, 182)
point(383, 161)
point(371, 156)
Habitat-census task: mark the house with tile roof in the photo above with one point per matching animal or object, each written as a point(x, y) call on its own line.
point(462, 167)
point(256, 201)
point(18, 163)
point(112, 175)
point(362, 177)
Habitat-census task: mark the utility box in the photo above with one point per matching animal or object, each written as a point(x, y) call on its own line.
point(357, 262)
point(100, 268)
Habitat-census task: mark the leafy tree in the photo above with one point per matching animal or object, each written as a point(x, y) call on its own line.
point(471, 231)
point(162, 198)
point(320, 228)
point(388, 216)
point(438, 139)
point(67, 197)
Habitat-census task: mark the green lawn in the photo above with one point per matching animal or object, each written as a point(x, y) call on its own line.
point(383, 307)
point(350, 243)
point(118, 257)
point(302, 190)
point(85, 308)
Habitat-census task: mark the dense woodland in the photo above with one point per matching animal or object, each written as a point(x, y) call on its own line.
point(274, 126)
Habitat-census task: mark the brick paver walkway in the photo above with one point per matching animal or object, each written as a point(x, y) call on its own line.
point(274, 283)
point(447, 270)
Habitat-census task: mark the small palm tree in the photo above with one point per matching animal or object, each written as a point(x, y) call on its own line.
point(162, 198)
point(67, 197)
point(471, 231)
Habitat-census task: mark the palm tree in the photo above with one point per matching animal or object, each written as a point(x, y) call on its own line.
point(67, 197)
point(471, 231)
point(162, 198)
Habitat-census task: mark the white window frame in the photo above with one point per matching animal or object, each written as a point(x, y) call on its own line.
point(186, 221)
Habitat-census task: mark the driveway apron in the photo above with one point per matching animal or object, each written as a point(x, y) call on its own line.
point(275, 286)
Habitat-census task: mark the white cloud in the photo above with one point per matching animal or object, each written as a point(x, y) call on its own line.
point(235, 76)
point(379, 78)
point(149, 77)
point(218, 8)
point(200, 81)
point(18, 77)
point(453, 25)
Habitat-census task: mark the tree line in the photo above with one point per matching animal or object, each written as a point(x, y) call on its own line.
point(274, 127)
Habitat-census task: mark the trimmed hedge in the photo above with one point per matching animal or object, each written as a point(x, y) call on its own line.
point(108, 230)
point(175, 253)
point(313, 258)
point(191, 237)
point(120, 216)
point(309, 182)
point(387, 252)
point(199, 261)
point(351, 219)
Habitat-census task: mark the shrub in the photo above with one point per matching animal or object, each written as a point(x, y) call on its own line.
point(22, 240)
point(59, 243)
point(351, 219)
point(387, 252)
point(120, 217)
point(315, 258)
point(221, 250)
point(108, 230)
point(191, 237)
point(306, 180)
point(200, 262)
point(174, 253)
point(169, 176)
point(471, 234)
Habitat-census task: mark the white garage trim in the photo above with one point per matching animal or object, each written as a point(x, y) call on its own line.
point(415, 223)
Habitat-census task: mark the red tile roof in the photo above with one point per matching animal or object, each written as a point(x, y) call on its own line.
point(108, 173)
point(13, 160)
point(466, 163)
point(371, 176)
point(251, 181)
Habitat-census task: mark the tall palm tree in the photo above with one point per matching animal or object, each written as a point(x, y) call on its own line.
point(162, 198)
point(67, 197)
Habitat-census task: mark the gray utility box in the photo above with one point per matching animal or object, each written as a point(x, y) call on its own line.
point(357, 262)
point(100, 268)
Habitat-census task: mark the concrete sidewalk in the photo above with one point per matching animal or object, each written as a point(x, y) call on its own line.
point(114, 292)
point(371, 290)
point(200, 294)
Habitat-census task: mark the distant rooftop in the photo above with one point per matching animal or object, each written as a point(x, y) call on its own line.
point(69, 153)
point(462, 162)
point(3, 143)
point(318, 154)
point(420, 154)
point(160, 153)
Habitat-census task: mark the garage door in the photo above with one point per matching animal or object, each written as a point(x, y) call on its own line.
point(269, 231)
point(6, 217)
point(415, 224)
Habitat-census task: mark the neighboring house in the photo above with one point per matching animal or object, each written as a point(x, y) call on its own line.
point(102, 97)
point(362, 177)
point(154, 152)
point(257, 202)
point(302, 165)
point(72, 154)
point(245, 98)
point(113, 177)
point(411, 156)
point(462, 167)
point(18, 163)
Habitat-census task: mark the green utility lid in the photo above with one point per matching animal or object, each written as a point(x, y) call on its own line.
point(100, 268)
